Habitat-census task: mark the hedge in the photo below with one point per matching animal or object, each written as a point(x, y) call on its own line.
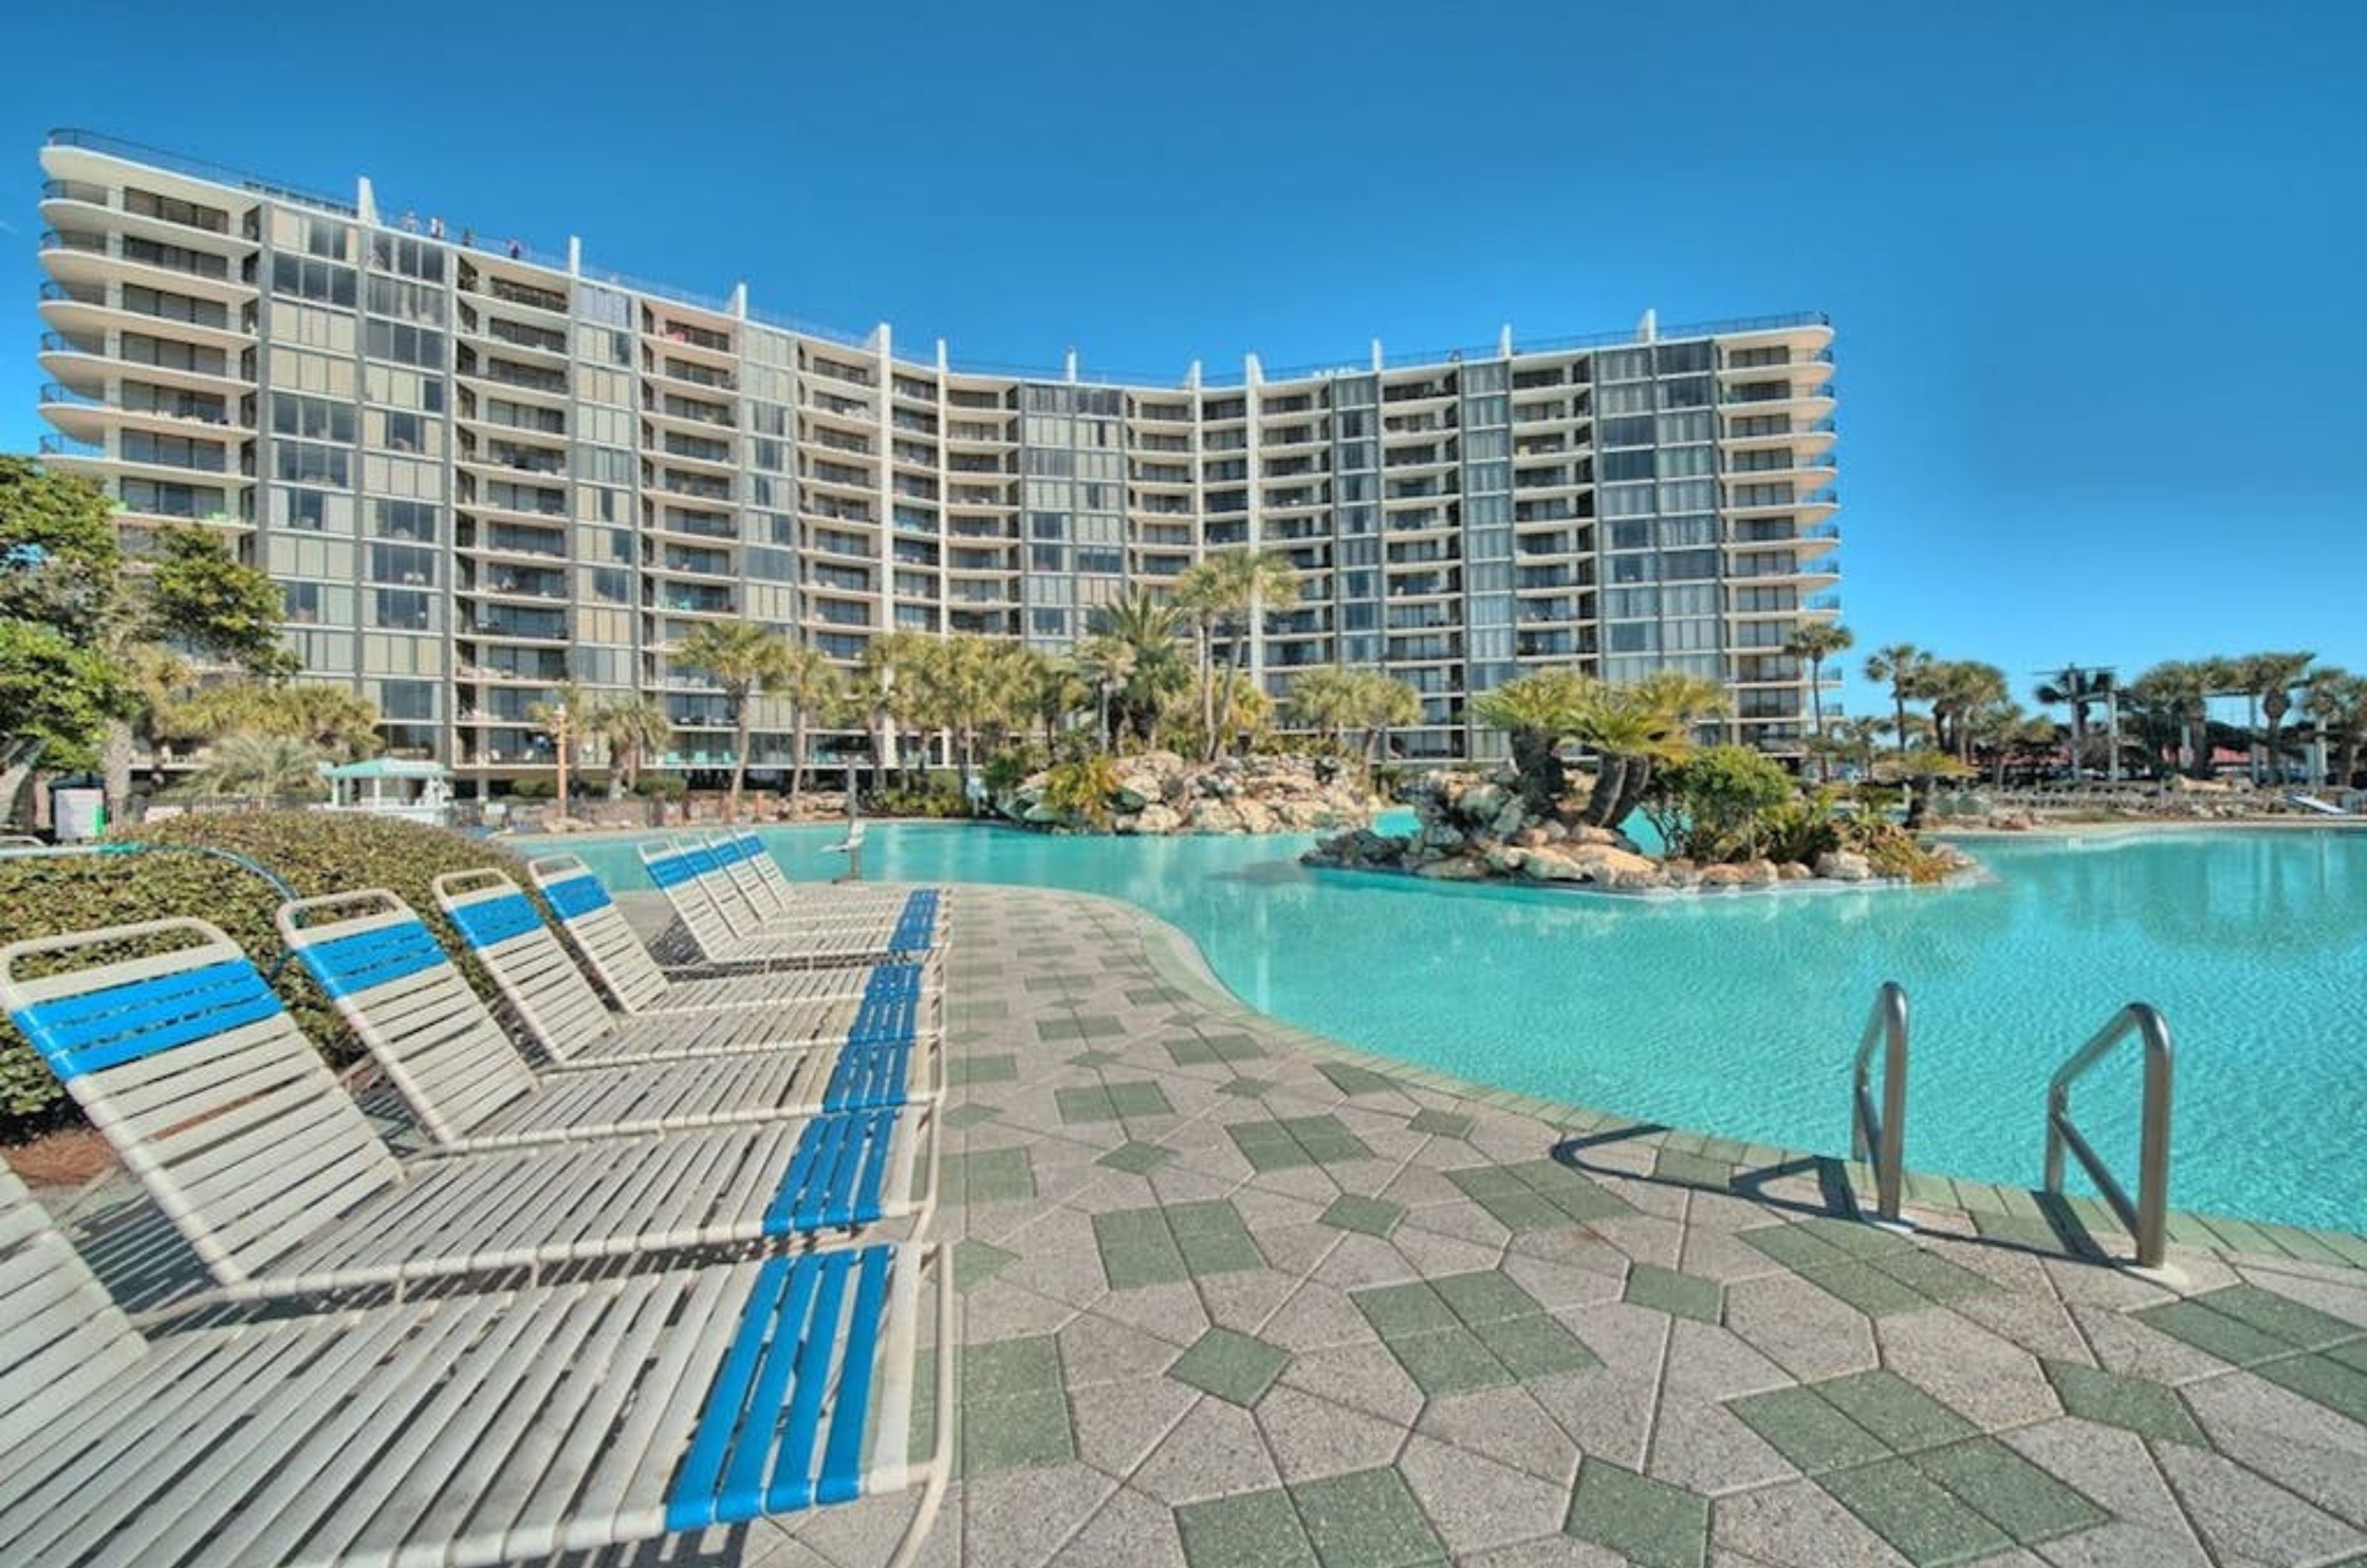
point(314, 851)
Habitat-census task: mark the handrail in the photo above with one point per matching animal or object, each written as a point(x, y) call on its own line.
point(1883, 1136)
point(2148, 1218)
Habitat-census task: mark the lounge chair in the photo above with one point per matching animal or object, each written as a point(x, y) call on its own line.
point(773, 899)
point(469, 1088)
point(474, 1429)
point(638, 983)
point(566, 1016)
point(197, 1075)
point(728, 929)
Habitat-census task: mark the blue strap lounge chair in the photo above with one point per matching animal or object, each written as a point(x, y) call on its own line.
point(469, 1088)
point(170, 1040)
point(472, 1429)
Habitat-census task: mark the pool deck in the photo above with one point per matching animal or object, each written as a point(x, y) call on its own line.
point(1236, 1296)
point(1233, 1295)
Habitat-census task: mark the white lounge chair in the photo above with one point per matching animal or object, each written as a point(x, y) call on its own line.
point(194, 1072)
point(638, 983)
point(729, 930)
point(470, 1087)
point(475, 1430)
point(566, 1016)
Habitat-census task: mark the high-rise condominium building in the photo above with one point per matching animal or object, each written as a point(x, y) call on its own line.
point(479, 469)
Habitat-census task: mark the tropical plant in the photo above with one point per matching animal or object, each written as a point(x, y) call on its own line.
point(1050, 689)
point(1538, 712)
point(338, 721)
point(260, 768)
point(2176, 695)
point(1134, 654)
point(2270, 678)
point(1714, 804)
point(740, 658)
point(1857, 740)
point(2336, 701)
point(200, 597)
point(2078, 690)
point(1920, 770)
point(1636, 728)
point(1900, 665)
point(1957, 689)
point(959, 685)
point(1817, 641)
point(633, 729)
point(812, 687)
point(1082, 789)
point(1231, 590)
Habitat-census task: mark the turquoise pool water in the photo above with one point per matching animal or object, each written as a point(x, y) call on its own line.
point(1737, 1016)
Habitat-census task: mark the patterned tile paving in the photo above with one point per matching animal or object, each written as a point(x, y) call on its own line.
point(1232, 1295)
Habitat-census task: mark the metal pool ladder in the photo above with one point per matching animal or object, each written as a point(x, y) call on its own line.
point(2148, 1218)
point(1882, 1136)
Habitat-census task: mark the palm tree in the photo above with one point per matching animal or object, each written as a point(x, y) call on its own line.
point(1538, 712)
point(740, 658)
point(955, 688)
point(1817, 641)
point(1323, 700)
point(2336, 701)
point(1156, 668)
point(260, 767)
point(563, 720)
point(1232, 586)
point(1856, 739)
point(1050, 689)
point(2178, 693)
point(1633, 736)
point(1106, 664)
point(811, 684)
point(2272, 677)
point(1902, 665)
point(1378, 703)
point(1957, 689)
point(2080, 690)
point(1203, 596)
point(631, 728)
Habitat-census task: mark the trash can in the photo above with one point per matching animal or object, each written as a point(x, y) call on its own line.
point(78, 813)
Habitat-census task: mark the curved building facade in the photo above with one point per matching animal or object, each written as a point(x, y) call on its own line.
point(479, 469)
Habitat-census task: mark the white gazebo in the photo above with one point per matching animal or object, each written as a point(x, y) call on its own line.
point(414, 790)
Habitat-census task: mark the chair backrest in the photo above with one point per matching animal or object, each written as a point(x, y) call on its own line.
point(679, 870)
point(202, 1081)
point(738, 854)
point(443, 1051)
point(598, 928)
point(62, 1339)
point(506, 933)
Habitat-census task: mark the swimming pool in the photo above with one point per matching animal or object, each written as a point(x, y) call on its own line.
point(1737, 1015)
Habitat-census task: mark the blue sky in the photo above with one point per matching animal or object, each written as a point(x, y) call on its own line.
point(2095, 269)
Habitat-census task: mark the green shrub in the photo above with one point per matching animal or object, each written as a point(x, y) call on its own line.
point(1891, 850)
point(314, 851)
point(533, 789)
point(1008, 768)
point(1083, 789)
point(661, 787)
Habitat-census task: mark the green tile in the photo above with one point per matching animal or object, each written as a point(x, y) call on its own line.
point(1646, 1521)
point(988, 1175)
point(1923, 1521)
point(1439, 1124)
point(1353, 1080)
point(1452, 1361)
point(1692, 1170)
point(2303, 1328)
point(1253, 1530)
point(1001, 1368)
point(1137, 1158)
point(966, 1116)
point(1899, 1416)
point(1679, 1295)
point(2340, 1388)
point(1485, 1296)
point(2212, 1333)
point(2133, 1404)
point(1808, 1431)
point(1931, 1276)
point(1866, 1288)
point(1795, 1246)
point(1234, 1367)
point(1150, 995)
point(965, 1070)
point(1248, 1088)
point(1137, 1249)
point(1292, 1142)
point(1366, 1519)
point(1200, 1051)
point(1094, 1059)
point(1110, 1102)
point(1857, 1239)
point(1537, 1195)
point(1537, 1346)
point(1371, 1216)
point(1023, 1432)
point(976, 1262)
point(1397, 1310)
point(2009, 1491)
